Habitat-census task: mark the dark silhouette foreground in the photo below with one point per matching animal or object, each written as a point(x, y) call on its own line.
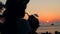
point(24, 27)
point(1, 17)
point(14, 22)
point(34, 23)
point(14, 9)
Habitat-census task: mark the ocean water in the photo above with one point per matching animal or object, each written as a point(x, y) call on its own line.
point(51, 29)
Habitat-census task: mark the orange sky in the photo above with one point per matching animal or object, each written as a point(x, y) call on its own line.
point(48, 10)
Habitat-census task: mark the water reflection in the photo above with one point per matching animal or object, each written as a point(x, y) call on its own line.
point(50, 29)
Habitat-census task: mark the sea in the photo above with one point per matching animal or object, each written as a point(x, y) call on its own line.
point(48, 28)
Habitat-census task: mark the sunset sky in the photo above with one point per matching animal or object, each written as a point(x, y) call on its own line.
point(48, 10)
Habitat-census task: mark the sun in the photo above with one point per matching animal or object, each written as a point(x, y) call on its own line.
point(47, 21)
